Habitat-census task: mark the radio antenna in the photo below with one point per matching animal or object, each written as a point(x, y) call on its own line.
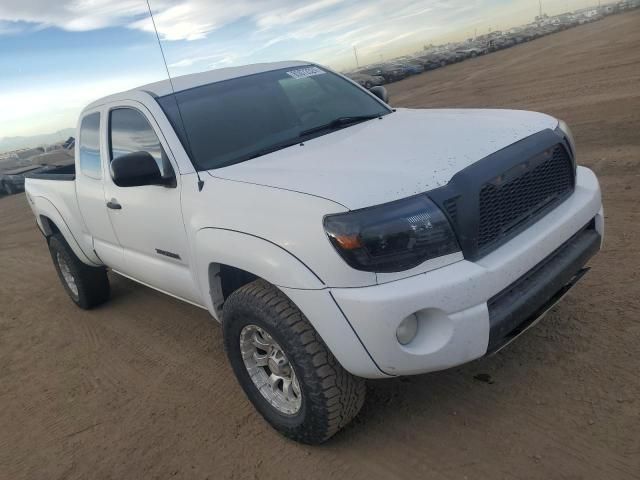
point(173, 90)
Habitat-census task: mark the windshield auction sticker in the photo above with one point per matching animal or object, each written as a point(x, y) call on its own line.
point(305, 72)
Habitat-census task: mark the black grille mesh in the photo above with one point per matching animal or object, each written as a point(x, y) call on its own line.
point(507, 205)
point(451, 206)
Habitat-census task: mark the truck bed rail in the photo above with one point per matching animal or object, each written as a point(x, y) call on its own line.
point(64, 173)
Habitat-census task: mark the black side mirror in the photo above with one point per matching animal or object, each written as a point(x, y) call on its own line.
point(381, 93)
point(136, 169)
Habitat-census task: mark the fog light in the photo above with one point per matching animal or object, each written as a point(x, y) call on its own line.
point(407, 330)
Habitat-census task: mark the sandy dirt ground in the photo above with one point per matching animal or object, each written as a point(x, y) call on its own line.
point(140, 388)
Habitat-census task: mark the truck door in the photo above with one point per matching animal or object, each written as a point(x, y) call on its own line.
point(148, 219)
point(90, 190)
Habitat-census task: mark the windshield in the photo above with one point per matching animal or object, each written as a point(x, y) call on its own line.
point(234, 120)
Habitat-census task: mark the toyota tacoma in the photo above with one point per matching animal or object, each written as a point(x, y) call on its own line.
point(334, 237)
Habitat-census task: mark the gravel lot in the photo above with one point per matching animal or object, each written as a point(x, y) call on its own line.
point(140, 388)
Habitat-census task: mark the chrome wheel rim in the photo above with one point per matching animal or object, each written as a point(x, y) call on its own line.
point(67, 275)
point(270, 370)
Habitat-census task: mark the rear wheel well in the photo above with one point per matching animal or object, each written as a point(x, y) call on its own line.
point(223, 281)
point(48, 226)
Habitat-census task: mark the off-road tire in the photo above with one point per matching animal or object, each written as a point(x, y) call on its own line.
point(331, 397)
point(92, 282)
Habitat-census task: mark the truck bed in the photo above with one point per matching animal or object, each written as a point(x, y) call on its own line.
point(52, 197)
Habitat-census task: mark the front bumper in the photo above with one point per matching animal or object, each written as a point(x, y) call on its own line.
point(518, 306)
point(468, 309)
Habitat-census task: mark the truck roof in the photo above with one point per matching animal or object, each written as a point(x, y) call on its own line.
point(185, 82)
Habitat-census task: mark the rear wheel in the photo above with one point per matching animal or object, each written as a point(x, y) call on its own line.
point(87, 286)
point(284, 367)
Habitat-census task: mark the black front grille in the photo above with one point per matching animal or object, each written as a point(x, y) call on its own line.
point(494, 199)
point(521, 193)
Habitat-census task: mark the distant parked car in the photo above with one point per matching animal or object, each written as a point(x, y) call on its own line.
point(378, 71)
point(448, 57)
point(434, 61)
point(69, 143)
point(12, 181)
point(9, 184)
point(365, 80)
point(500, 43)
point(471, 52)
point(458, 56)
point(390, 73)
point(412, 67)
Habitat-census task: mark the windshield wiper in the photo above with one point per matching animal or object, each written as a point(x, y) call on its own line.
point(273, 148)
point(339, 122)
point(334, 124)
point(259, 153)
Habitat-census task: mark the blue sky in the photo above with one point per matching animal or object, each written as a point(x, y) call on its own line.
point(56, 56)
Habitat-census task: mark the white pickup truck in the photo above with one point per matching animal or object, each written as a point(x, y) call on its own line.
point(334, 238)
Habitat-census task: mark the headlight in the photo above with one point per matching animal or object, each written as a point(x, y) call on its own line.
point(392, 237)
point(568, 135)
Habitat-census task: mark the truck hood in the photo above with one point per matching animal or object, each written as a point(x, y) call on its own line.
point(405, 153)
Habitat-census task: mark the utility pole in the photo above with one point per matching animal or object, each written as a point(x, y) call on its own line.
point(355, 52)
point(540, 1)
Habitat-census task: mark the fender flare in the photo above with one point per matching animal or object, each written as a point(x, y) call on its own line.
point(252, 254)
point(288, 273)
point(48, 211)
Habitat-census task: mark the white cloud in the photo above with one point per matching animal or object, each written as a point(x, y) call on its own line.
point(72, 15)
point(222, 58)
point(304, 27)
point(177, 23)
point(46, 108)
point(195, 19)
point(286, 15)
point(8, 28)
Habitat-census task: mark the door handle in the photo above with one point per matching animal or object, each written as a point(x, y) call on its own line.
point(114, 205)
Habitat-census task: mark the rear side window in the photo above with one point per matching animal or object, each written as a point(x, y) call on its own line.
point(90, 146)
point(130, 132)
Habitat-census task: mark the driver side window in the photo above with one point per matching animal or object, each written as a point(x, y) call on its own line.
point(129, 132)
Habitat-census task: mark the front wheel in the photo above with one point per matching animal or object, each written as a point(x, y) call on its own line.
point(284, 367)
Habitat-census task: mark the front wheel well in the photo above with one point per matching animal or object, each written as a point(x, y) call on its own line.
point(224, 280)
